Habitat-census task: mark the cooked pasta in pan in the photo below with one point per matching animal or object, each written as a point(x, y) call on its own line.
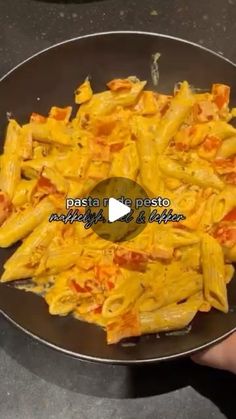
point(181, 146)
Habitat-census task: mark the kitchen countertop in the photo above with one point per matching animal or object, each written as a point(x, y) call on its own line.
point(37, 382)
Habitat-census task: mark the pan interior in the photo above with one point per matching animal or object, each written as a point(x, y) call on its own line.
point(50, 78)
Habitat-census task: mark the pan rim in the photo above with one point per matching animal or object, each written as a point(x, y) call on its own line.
point(97, 34)
point(89, 358)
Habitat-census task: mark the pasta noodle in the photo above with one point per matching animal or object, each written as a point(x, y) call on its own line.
point(179, 108)
point(223, 204)
point(214, 273)
point(227, 148)
point(171, 317)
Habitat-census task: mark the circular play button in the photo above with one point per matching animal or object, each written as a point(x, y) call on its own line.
point(122, 205)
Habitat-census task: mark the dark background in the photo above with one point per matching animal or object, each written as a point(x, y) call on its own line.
point(36, 382)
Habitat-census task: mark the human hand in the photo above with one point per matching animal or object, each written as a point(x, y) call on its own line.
point(221, 355)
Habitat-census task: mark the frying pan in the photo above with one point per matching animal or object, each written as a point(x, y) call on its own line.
point(50, 78)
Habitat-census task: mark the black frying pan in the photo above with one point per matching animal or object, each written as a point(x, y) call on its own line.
point(50, 78)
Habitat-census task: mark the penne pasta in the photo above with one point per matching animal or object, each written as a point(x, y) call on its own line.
point(145, 132)
point(23, 262)
point(179, 108)
point(10, 173)
point(172, 317)
point(123, 296)
point(23, 192)
point(172, 290)
point(227, 148)
point(26, 143)
point(12, 140)
point(183, 237)
point(61, 302)
point(223, 203)
point(52, 132)
point(20, 224)
point(202, 176)
point(214, 273)
point(58, 260)
point(104, 103)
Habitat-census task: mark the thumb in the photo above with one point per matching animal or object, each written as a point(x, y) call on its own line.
point(221, 355)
